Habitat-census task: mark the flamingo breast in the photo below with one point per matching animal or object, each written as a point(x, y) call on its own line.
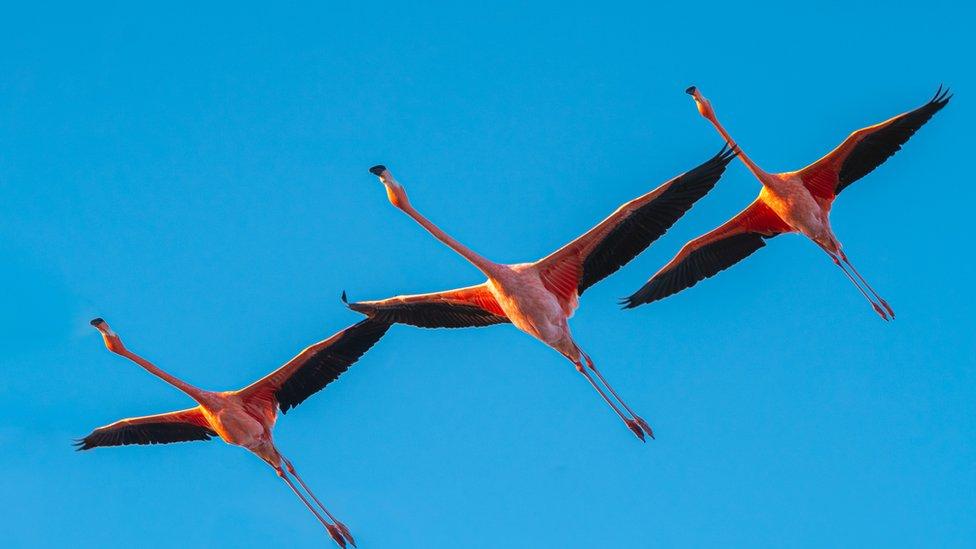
point(530, 306)
point(794, 204)
point(236, 426)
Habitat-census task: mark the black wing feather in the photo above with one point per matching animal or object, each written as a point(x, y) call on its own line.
point(326, 365)
point(646, 224)
point(144, 433)
point(430, 314)
point(871, 151)
point(700, 264)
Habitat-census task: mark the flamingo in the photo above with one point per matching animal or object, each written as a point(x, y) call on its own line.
point(789, 202)
point(244, 417)
point(540, 297)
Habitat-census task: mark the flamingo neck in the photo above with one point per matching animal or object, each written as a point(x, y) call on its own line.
point(753, 167)
point(485, 266)
point(193, 392)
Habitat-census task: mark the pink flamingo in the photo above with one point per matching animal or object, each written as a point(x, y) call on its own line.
point(790, 202)
point(540, 297)
point(245, 417)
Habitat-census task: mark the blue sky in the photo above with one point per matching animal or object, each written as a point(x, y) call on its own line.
point(197, 176)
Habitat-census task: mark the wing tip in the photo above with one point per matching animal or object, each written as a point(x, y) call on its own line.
point(711, 169)
point(628, 302)
point(728, 152)
point(642, 296)
point(942, 96)
point(356, 306)
point(718, 163)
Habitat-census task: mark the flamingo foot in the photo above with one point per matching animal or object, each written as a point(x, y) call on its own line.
point(887, 307)
point(880, 311)
point(637, 430)
point(336, 535)
point(345, 533)
point(643, 425)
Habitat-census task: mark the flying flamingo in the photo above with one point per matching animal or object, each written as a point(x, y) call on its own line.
point(244, 417)
point(789, 202)
point(539, 298)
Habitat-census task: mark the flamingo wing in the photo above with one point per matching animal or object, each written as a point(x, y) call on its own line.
point(181, 426)
point(628, 231)
point(712, 252)
point(866, 149)
point(316, 366)
point(460, 308)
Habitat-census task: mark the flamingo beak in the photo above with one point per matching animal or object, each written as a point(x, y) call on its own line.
point(695, 93)
point(384, 174)
point(704, 107)
point(102, 327)
point(386, 178)
point(394, 191)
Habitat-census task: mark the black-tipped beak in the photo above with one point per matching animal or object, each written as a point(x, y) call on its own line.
point(377, 170)
point(691, 90)
point(97, 321)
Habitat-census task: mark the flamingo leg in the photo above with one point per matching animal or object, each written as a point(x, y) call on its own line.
point(640, 421)
point(880, 299)
point(333, 530)
point(877, 308)
point(342, 527)
point(631, 424)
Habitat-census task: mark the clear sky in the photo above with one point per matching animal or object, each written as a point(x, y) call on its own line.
point(196, 174)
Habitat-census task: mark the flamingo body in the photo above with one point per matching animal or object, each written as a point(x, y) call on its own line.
point(794, 205)
point(540, 297)
point(245, 417)
point(239, 422)
point(532, 307)
point(790, 202)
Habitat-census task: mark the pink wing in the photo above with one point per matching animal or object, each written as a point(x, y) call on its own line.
point(314, 368)
point(181, 426)
point(712, 252)
point(460, 308)
point(866, 149)
point(627, 232)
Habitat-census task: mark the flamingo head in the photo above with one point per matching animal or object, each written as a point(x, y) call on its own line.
point(112, 340)
point(704, 106)
point(394, 190)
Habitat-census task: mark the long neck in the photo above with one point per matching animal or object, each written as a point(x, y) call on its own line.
point(756, 170)
point(485, 266)
point(193, 392)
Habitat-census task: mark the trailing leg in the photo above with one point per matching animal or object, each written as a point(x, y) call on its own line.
point(636, 418)
point(342, 527)
point(334, 532)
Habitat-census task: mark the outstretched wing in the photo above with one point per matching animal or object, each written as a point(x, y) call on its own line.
point(866, 149)
point(461, 308)
point(316, 366)
point(627, 232)
point(715, 251)
point(181, 426)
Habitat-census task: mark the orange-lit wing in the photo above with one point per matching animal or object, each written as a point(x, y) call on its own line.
point(866, 149)
point(181, 426)
point(627, 232)
point(706, 255)
point(461, 308)
point(316, 366)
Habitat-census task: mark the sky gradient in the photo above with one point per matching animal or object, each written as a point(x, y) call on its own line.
point(197, 175)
